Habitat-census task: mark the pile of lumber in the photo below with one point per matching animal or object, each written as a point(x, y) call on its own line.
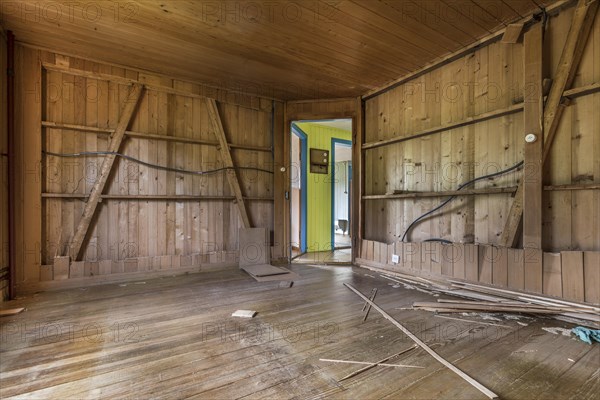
point(470, 297)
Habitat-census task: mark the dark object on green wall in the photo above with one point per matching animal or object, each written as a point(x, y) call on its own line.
point(319, 161)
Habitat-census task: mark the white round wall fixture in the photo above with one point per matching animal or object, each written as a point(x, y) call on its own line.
point(282, 169)
point(530, 138)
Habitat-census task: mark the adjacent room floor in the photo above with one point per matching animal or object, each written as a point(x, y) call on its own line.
point(174, 337)
point(331, 257)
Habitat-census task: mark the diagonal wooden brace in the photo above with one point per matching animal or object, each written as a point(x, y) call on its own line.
point(127, 113)
point(234, 183)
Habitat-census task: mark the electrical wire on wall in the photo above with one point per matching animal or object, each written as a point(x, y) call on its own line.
point(147, 164)
point(449, 199)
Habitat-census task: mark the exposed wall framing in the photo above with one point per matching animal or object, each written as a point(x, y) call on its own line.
point(463, 120)
point(148, 220)
point(572, 275)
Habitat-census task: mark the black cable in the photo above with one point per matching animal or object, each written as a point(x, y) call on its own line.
point(438, 240)
point(161, 167)
point(460, 187)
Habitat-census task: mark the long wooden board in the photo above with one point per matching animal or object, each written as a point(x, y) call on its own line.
point(428, 349)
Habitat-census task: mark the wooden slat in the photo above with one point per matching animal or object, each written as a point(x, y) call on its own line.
point(458, 260)
point(573, 284)
point(467, 121)
point(418, 341)
point(552, 275)
point(532, 266)
point(213, 113)
point(590, 186)
point(158, 197)
point(129, 107)
point(485, 263)
point(129, 81)
point(500, 266)
point(464, 192)
point(448, 255)
point(471, 256)
point(591, 275)
point(515, 265)
point(149, 136)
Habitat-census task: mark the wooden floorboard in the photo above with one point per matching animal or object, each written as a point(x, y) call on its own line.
point(174, 337)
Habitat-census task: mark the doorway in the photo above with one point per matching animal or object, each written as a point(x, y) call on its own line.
point(321, 188)
point(341, 193)
point(298, 187)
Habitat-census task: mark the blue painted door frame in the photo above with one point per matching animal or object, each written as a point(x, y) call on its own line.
point(303, 184)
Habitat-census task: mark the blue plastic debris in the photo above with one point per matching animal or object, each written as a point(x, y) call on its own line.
point(587, 335)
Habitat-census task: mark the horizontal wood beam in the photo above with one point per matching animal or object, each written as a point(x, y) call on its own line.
point(149, 136)
point(518, 107)
point(582, 91)
point(465, 192)
point(515, 108)
point(143, 197)
point(164, 89)
point(574, 186)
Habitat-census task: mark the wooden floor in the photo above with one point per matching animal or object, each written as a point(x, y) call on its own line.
point(175, 338)
point(331, 257)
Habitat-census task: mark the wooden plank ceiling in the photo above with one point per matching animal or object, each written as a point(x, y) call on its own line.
point(281, 49)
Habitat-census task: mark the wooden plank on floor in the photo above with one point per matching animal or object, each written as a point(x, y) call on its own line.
point(552, 276)
point(573, 285)
point(591, 274)
point(254, 246)
point(263, 270)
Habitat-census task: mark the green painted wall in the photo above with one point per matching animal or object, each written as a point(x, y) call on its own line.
point(318, 235)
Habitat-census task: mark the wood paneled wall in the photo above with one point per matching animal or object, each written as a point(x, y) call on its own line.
point(572, 275)
point(136, 235)
point(4, 269)
point(486, 81)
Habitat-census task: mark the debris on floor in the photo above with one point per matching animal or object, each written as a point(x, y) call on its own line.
point(485, 300)
point(244, 314)
point(558, 331)
point(11, 311)
point(587, 335)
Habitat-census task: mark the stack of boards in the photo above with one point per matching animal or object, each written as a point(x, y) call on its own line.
point(489, 299)
point(255, 257)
